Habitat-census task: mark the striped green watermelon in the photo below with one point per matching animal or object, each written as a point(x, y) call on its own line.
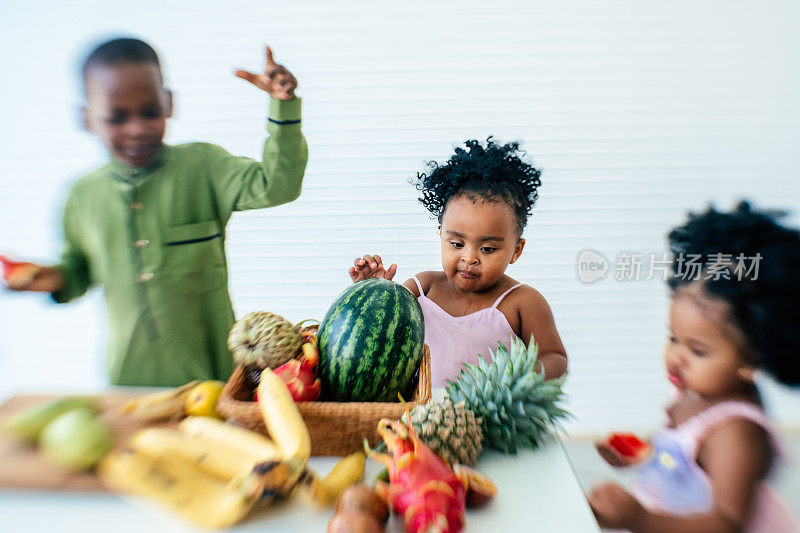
point(370, 342)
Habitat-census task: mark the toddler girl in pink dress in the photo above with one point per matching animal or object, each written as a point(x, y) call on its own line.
point(707, 469)
point(482, 197)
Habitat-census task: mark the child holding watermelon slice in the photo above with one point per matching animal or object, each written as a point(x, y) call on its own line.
point(482, 197)
point(149, 226)
point(705, 471)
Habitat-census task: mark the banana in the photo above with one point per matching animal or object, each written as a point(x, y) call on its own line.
point(177, 484)
point(283, 420)
point(324, 492)
point(158, 406)
point(28, 424)
point(256, 448)
point(220, 461)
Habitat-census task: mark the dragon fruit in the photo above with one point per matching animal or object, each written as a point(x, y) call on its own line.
point(422, 487)
point(300, 375)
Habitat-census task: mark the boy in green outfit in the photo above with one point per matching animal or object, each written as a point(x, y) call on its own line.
point(150, 225)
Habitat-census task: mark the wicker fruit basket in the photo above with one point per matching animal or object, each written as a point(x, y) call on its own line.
point(336, 428)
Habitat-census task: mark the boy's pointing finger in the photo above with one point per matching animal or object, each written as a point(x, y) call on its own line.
point(246, 76)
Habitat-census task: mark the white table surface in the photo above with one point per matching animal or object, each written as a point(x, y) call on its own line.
point(537, 492)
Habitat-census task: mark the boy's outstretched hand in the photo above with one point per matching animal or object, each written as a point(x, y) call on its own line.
point(371, 266)
point(37, 278)
point(276, 80)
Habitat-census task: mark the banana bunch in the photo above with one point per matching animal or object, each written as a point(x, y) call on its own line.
point(213, 473)
point(159, 406)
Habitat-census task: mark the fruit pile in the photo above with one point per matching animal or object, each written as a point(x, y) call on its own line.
point(211, 472)
point(424, 489)
point(504, 403)
point(367, 348)
point(265, 340)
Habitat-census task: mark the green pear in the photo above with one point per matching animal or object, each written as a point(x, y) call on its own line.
point(28, 424)
point(76, 439)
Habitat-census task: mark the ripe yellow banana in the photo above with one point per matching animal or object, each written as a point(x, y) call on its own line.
point(323, 492)
point(221, 461)
point(283, 420)
point(158, 406)
point(177, 484)
point(255, 447)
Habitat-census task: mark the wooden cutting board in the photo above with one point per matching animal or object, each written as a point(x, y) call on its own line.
point(23, 467)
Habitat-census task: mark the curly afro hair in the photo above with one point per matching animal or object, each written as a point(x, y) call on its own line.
point(493, 172)
point(765, 304)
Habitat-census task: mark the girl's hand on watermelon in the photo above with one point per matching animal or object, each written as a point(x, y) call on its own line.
point(371, 266)
point(623, 449)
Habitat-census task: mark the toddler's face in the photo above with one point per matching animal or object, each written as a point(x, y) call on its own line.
point(479, 240)
point(128, 109)
point(703, 352)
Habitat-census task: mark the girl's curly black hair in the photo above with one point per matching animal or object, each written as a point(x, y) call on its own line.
point(764, 302)
point(492, 172)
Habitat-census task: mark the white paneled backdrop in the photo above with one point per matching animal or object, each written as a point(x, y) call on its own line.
point(636, 112)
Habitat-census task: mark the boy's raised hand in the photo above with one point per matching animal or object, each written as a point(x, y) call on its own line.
point(371, 266)
point(276, 80)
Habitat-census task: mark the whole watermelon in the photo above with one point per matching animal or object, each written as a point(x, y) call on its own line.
point(370, 342)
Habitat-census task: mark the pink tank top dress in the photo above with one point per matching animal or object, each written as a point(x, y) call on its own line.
point(672, 482)
point(455, 340)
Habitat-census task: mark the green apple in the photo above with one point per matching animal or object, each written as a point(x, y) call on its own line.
point(76, 439)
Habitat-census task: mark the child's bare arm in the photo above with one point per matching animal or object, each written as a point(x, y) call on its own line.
point(276, 80)
point(241, 183)
point(536, 319)
point(736, 455)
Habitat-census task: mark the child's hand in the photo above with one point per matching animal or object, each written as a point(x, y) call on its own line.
point(614, 456)
point(614, 507)
point(35, 278)
point(276, 80)
point(371, 266)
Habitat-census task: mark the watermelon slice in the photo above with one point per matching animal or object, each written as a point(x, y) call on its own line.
point(629, 445)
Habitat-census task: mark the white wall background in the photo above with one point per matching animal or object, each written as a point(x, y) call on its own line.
point(636, 111)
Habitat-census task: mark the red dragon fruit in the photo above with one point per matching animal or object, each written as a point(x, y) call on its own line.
point(300, 375)
point(422, 487)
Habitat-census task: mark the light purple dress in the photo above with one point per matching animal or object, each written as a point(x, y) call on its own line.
point(455, 340)
point(672, 482)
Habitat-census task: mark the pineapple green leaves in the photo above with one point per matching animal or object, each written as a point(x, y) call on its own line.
point(519, 409)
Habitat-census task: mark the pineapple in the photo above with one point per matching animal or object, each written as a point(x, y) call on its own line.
point(517, 406)
point(449, 429)
point(264, 340)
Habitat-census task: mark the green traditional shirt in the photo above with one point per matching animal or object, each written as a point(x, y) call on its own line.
point(154, 238)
